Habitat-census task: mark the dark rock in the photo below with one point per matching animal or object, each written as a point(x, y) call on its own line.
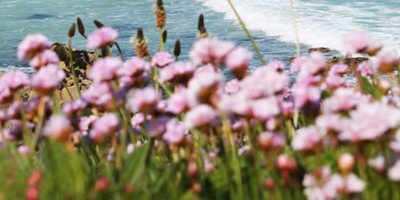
point(319, 49)
point(81, 60)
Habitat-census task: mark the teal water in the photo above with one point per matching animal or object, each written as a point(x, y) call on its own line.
point(53, 18)
point(320, 22)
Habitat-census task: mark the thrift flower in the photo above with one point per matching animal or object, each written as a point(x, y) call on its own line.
point(31, 46)
point(102, 38)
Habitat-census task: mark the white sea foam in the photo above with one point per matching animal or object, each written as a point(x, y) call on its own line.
point(323, 23)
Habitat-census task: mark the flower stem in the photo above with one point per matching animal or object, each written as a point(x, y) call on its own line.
point(260, 56)
point(73, 67)
point(296, 31)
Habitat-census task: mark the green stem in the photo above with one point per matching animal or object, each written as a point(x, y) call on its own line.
point(73, 67)
point(160, 34)
point(296, 31)
point(260, 56)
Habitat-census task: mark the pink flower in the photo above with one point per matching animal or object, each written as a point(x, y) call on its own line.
point(178, 102)
point(378, 163)
point(133, 67)
point(44, 58)
point(312, 66)
point(85, 123)
point(15, 80)
point(200, 116)
point(24, 150)
point(58, 127)
point(158, 126)
point(367, 68)
point(210, 50)
point(286, 163)
point(162, 59)
point(297, 63)
point(304, 94)
point(276, 65)
point(356, 42)
point(395, 143)
point(104, 127)
point(369, 122)
point(307, 139)
point(143, 100)
point(105, 69)
point(175, 133)
point(388, 61)
point(238, 61)
point(345, 162)
point(206, 69)
point(201, 88)
point(232, 86)
point(179, 73)
point(266, 108)
point(99, 94)
point(337, 185)
point(335, 81)
point(329, 122)
point(74, 107)
point(343, 100)
point(31, 46)
point(47, 79)
point(101, 38)
point(394, 172)
point(338, 69)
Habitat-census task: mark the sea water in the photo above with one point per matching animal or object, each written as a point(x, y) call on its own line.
point(320, 23)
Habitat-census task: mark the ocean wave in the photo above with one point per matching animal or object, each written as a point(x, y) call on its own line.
point(323, 23)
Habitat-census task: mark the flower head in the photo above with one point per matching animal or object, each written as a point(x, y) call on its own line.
point(162, 59)
point(31, 46)
point(101, 38)
point(47, 79)
point(105, 69)
point(200, 116)
point(44, 58)
point(104, 127)
point(58, 127)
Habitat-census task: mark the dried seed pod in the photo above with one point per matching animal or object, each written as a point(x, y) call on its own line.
point(81, 27)
point(71, 31)
point(177, 48)
point(202, 28)
point(165, 36)
point(160, 15)
point(98, 24)
point(140, 43)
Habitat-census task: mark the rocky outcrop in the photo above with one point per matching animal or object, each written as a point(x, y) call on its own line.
point(82, 61)
point(319, 49)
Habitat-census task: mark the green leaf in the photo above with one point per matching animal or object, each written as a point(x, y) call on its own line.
point(136, 163)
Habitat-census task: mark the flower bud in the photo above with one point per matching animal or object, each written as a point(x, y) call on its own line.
point(196, 187)
point(177, 48)
point(98, 24)
point(286, 163)
point(35, 178)
point(193, 170)
point(165, 36)
point(71, 32)
point(102, 184)
point(81, 27)
point(345, 162)
point(160, 14)
point(269, 184)
point(32, 194)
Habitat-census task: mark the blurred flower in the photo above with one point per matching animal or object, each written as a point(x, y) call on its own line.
point(394, 172)
point(345, 162)
point(200, 116)
point(105, 69)
point(307, 139)
point(31, 46)
point(47, 79)
point(343, 100)
point(74, 107)
point(86, 123)
point(15, 80)
point(133, 67)
point(276, 65)
point(356, 42)
point(232, 86)
point(24, 150)
point(104, 127)
point(388, 61)
point(44, 58)
point(102, 38)
point(99, 94)
point(201, 88)
point(162, 59)
point(175, 132)
point(143, 100)
point(286, 163)
point(378, 163)
point(210, 50)
point(304, 94)
point(58, 127)
point(178, 102)
point(178, 73)
point(367, 68)
point(158, 126)
point(264, 109)
point(238, 61)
